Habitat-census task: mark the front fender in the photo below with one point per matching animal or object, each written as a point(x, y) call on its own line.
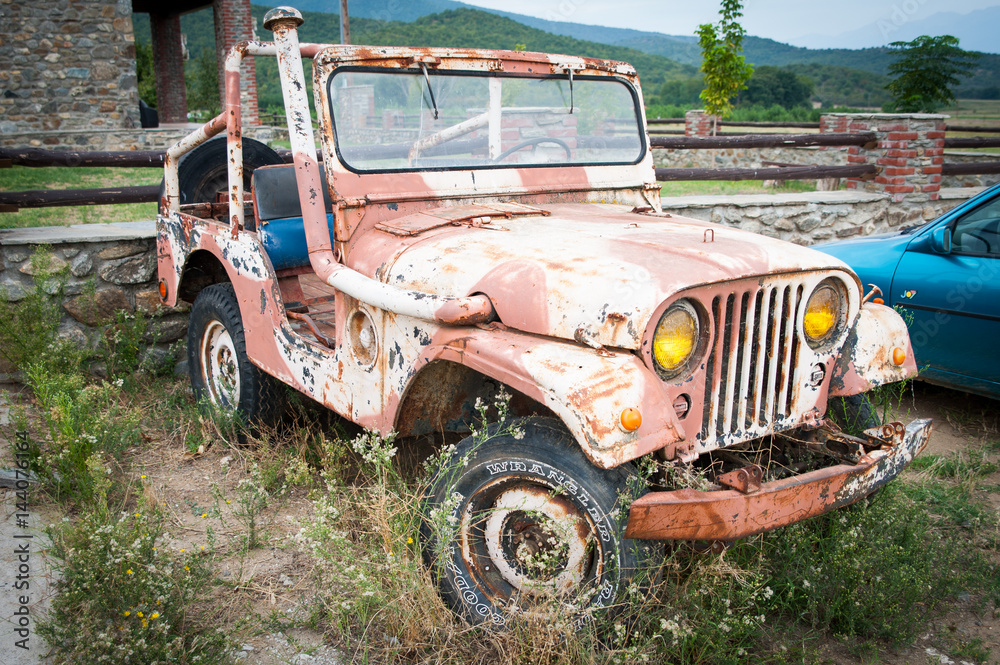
point(586, 388)
point(869, 356)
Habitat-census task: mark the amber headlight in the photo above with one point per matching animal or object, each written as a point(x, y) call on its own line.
point(676, 338)
point(824, 313)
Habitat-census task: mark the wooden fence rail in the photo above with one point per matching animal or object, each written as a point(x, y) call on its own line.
point(863, 171)
point(37, 157)
point(977, 129)
point(764, 141)
point(46, 198)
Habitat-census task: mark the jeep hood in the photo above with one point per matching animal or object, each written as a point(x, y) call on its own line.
point(592, 272)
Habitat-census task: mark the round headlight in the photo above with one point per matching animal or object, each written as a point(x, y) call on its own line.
point(676, 338)
point(824, 311)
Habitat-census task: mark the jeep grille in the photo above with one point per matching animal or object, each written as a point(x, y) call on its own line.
point(752, 367)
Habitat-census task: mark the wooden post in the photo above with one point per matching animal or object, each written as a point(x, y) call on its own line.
point(345, 26)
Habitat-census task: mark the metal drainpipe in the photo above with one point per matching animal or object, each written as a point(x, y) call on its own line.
point(470, 310)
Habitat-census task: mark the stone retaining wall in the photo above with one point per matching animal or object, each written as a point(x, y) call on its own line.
point(748, 158)
point(811, 217)
point(109, 268)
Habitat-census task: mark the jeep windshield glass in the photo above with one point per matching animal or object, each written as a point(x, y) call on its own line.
point(385, 120)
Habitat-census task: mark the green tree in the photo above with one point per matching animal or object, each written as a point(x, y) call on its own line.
point(725, 70)
point(144, 72)
point(771, 86)
point(925, 72)
point(202, 82)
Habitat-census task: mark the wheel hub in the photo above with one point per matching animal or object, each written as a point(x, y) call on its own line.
point(220, 365)
point(537, 542)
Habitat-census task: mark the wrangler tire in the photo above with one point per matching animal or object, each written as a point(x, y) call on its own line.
point(518, 520)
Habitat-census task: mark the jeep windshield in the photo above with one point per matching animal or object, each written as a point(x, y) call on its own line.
point(408, 120)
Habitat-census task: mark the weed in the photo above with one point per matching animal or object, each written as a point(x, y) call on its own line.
point(365, 540)
point(871, 573)
point(205, 424)
point(121, 596)
point(123, 343)
point(965, 466)
point(29, 326)
point(251, 501)
point(80, 421)
point(974, 650)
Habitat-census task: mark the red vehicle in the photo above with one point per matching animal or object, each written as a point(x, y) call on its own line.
point(489, 221)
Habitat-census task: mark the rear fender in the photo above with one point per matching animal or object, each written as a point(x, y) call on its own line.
point(181, 239)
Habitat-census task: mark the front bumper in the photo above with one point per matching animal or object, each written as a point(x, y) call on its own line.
point(689, 514)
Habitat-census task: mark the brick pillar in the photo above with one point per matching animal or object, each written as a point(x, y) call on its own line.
point(833, 123)
point(910, 152)
point(234, 24)
point(168, 61)
point(697, 123)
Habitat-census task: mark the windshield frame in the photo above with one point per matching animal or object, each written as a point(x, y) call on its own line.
point(345, 69)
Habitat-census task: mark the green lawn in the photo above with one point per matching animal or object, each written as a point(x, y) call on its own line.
point(725, 187)
point(20, 178)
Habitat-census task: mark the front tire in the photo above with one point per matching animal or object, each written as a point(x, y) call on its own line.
point(520, 518)
point(221, 371)
point(853, 413)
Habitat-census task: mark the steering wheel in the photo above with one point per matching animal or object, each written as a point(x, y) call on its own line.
point(538, 140)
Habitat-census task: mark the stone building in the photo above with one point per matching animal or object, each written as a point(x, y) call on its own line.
point(68, 70)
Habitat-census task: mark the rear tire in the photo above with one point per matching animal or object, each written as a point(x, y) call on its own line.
point(221, 371)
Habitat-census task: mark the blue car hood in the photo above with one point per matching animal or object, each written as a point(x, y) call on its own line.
point(874, 258)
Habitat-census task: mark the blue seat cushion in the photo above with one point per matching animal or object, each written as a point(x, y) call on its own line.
point(285, 241)
point(279, 215)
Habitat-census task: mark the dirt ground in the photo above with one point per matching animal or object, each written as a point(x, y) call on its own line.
point(273, 582)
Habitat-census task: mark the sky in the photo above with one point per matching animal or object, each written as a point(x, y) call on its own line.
point(789, 21)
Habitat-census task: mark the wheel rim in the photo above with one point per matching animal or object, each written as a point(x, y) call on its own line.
point(220, 367)
point(519, 540)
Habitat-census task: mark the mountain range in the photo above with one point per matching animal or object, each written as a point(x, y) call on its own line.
point(977, 30)
point(667, 64)
point(858, 49)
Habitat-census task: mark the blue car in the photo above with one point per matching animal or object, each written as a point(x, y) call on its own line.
point(944, 277)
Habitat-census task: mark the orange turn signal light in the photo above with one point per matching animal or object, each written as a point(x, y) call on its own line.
point(898, 356)
point(631, 419)
point(878, 301)
point(163, 290)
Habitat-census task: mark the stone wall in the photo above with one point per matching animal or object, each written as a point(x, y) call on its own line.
point(67, 64)
point(811, 217)
point(748, 158)
point(109, 268)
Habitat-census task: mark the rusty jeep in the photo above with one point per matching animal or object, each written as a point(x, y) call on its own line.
point(489, 221)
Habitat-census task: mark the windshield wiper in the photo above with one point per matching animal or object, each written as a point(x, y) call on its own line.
point(430, 90)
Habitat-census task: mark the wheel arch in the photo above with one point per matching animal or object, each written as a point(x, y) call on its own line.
point(202, 269)
point(442, 397)
point(584, 390)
